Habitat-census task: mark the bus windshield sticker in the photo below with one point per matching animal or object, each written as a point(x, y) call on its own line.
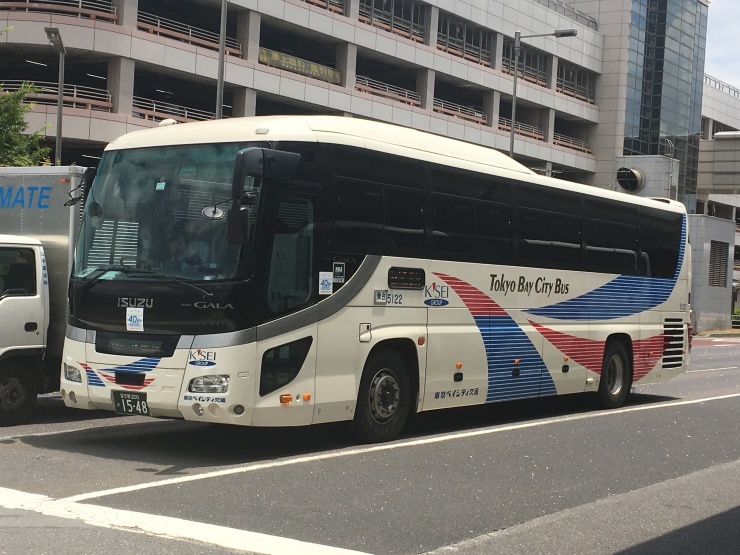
point(338, 272)
point(326, 285)
point(134, 319)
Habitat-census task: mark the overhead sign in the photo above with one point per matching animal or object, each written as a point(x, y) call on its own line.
point(298, 65)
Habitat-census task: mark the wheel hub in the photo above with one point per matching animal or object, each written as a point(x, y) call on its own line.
point(12, 394)
point(384, 396)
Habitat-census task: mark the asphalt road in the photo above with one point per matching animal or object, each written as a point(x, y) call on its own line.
point(661, 475)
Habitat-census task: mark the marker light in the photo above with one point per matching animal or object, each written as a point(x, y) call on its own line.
point(72, 373)
point(306, 396)
point(286, 399)
point(209, 384)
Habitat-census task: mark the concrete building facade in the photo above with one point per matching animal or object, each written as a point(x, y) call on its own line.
point(626, 93)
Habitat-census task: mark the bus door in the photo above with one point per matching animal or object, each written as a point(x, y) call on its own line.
point(287, 341)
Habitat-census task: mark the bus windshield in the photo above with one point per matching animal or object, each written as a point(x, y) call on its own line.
point(161, 211)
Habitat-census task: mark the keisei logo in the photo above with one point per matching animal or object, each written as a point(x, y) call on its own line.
point(199, 357)
point(436, 294)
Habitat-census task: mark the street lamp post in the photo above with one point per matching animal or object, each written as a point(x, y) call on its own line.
point(55, 39)
point(557, 33)
point(221, 61)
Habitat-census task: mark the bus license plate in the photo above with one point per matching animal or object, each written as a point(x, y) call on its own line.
point(130, 402)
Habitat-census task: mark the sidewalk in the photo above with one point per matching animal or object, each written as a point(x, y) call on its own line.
point(719, 333)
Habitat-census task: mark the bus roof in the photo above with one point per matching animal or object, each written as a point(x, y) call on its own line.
point(375, 135)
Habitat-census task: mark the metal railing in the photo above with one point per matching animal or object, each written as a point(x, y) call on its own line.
point(155, 110)
point(88, 9)
point(458, 47)
point(580, 92)
point(74, 96)
point(721, 86)
point(336, 6)
point(570, 12)
point(473, 114)
point(378, 88)
point(391, 23)
point(185, 33)
point(572, 143)
point(531, 131)
point(528, 73)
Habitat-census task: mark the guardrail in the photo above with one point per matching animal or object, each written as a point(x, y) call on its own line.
point(336, 6)
point(457, 110)
point(572, 143)
point(378, 88)
point(721, 86)
point(576, 91)
point(391, 23)
point(530, 131)
point(88, 9)
point(529, 74)
point(155, 110)
point(570, 12)
point(73, 96)
point(462, 49)
point(185, 33)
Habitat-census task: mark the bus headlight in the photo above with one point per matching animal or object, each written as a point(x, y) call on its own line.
point(209, 384)
point(72, 373)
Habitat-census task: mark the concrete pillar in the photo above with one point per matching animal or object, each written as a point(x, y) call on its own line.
point(121, 84)
point(553, 77)
point(548, 168)
point(547, 123)
point(432, 25)
point(498, 50)
point(425, 87)
point(248, 34)
point(352, 9)
point(127, 11)
point(491, 101)
point(347, 63)
point(245, 102)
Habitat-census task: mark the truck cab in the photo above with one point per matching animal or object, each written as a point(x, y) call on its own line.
point(24, 322)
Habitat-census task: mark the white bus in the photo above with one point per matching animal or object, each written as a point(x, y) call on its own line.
point(285, 271)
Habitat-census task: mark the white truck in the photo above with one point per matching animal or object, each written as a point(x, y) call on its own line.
point(39, 219)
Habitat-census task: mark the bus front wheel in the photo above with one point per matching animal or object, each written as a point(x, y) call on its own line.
point(384, 397)
point(615, 376)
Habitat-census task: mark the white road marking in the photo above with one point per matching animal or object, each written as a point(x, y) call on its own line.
point(387, 447)
point(166, 527)
point(73, 508)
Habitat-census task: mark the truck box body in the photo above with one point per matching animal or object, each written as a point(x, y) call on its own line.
point(32, 205)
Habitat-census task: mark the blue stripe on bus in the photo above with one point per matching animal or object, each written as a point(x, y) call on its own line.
point(93, 379)
point(504, 341)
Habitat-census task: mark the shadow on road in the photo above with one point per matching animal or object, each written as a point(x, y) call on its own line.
point(175, 447)
point(718, 534)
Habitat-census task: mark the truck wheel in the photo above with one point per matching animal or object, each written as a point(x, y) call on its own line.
point(384, 398)
point(17, 395)
point(615, 376)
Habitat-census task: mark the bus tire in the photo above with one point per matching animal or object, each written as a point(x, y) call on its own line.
point(615, 376)
point(384, 397)
point(18, 391)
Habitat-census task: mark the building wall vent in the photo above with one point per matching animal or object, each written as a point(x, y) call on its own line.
point(630, 179)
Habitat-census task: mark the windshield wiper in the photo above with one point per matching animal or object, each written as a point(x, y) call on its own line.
point(101, 271)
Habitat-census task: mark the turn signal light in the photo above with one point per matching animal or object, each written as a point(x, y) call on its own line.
point(285, 399)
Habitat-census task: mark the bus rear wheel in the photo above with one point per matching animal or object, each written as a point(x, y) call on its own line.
point(615, 376)
point(383, 400)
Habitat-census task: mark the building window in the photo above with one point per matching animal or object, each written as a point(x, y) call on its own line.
point(719, 253)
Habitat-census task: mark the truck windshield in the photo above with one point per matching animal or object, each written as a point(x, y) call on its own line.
point(161, 210)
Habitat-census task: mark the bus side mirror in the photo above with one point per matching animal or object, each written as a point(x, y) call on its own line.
point(254, 162)
point(238, 224)
point(85, 183)
point(262, 162)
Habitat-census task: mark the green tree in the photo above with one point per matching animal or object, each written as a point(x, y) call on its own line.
point(17, 148)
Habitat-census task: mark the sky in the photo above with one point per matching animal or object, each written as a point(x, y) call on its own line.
point(722, 58)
